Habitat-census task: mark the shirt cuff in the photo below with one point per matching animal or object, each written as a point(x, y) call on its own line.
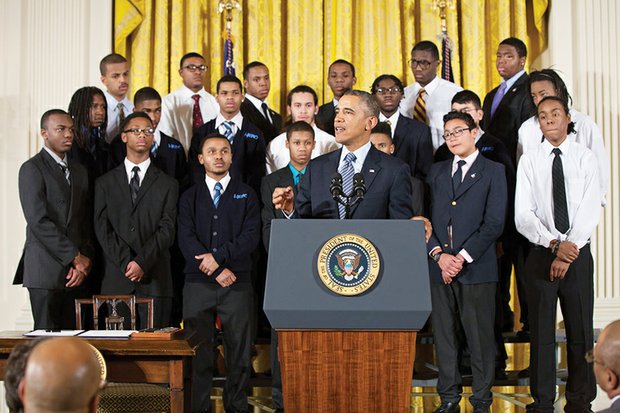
point(289, 215)
point(434, 251)
point(465, 255)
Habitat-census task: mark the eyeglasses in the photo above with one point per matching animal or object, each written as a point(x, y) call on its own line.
point(386, 90)
point(591, 359)
point(138, 132)
point(424, 64)
point(455, 133)
point(193, 68)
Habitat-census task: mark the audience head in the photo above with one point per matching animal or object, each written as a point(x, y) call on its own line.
point(15, 369)
point(63, 374)
point(511, 54)
point(88, 108)
point(215, 155)
point(381, 138)
point(302, 104)
point(114, 70)
point(388, 91)
point(137, 134)
point(148, 100)
point(467, 101)
point(459, 132)
point(356, 115)
point(424, 62)
point(606, 359)
point(192, 69)
point(57, 131)
point(554, 119)
point(341, 77)
point(229, 96)
point(300, 143)
point(256, 80)
point(547, 82)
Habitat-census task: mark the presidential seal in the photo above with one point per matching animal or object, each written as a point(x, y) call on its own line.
point(348, 264)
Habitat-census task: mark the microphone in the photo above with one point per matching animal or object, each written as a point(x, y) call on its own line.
point(359, 185)
point(335, 187)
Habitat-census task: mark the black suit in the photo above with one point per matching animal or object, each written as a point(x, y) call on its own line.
point(255, 116)
point(93, 154)
point(58, 227)
point(142, 233)
point(470, 218)
point(249, 152)
point(325, 117)
point(388, 188)
point(413, 144)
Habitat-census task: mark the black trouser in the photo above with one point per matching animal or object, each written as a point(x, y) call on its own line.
point(276, 374)
point(473, 306)
point(576, 294)
point(201, 303)
point(54, 309)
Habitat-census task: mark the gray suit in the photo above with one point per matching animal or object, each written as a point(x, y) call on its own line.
point(614, 408)
point(58, 221)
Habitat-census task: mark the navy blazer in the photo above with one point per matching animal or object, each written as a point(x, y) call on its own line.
point(326, 116)
point(281, 178)
point(231, 232)
point(413, 144)
point(142, 232)
point(248, 150)
point(476, 213)
point(256, 117)
point(388, 188)
point(514, 109)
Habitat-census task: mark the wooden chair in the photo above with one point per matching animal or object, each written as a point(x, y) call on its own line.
point(124, 397)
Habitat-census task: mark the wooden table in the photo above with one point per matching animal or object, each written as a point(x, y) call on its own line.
point(135, 361)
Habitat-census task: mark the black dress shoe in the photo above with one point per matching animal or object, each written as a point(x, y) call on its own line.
point(482, 409)
point(451, 407)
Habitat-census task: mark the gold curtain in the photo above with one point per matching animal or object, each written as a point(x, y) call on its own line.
point(299, 39)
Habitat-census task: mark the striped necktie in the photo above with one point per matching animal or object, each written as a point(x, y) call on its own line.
point(229, 129)
point(134, 184)
point(560, 208)
point(65, 171)
point(419, 110)
point(347, 171)
point(217, 193)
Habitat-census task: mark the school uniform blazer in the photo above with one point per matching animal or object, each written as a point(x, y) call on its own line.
point(413, 144)
point(514, 109)
point(142, 232)
point(279, 179)
point(326, 116)
point(58, 221)
point(269, 130)
point(476, 212)
point(231, 232)
point(388, 188)
point(248, 150)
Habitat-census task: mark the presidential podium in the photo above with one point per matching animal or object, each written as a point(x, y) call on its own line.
point(346, 298)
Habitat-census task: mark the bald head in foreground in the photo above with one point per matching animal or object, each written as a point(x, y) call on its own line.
point(606, 360)
point(62, 375)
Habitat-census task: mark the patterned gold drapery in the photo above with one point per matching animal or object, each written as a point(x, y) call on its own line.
point(299, 39)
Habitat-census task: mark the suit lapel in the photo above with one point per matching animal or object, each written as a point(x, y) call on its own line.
point(149, 178)
point(120, 176)
point(474, 174)
point(370, 169)
point(401, 130)
point(444, 179)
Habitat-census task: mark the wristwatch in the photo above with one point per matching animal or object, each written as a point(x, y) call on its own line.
point(436, 256)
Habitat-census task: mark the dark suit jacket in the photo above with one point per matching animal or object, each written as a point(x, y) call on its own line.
point(58, 221)
point(95, 162)
point(279, 179)
point(249, 153)
point(413, 144)
point(514, 109)
point(170, 158)
point(231, 232)
point(142, 232)
point(476, 213)
point(614, 408)
point(388, 188)
point(270, 131)
point(326, 116)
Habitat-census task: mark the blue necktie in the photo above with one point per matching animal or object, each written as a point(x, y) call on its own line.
point(154, 148)
point(229, 126)
point(217, 193)
point(498, 97)
point(347, 172)
point(457, 178)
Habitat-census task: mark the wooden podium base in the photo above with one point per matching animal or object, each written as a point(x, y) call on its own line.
point(346, 371)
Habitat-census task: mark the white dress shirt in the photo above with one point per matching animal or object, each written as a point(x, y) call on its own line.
point(278, 156)
point(144, 165)
point(56, 157)
point(237, 120)
point(211, 184)
point(114, 123)
point(587, 133)
point(534, 194)
point(439, 94)
point(392, 119)
point(258, 104)
point(177, 113)
point(360, 154)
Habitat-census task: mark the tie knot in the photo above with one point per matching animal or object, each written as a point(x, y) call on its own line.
point(557, 151)
point(350, 157)
point(461, 163)
point(196, 98)
point(229, 123)
point(264, 106)
point(422, 92)
point(135, 169)
point(218, 186)
point(120, 106)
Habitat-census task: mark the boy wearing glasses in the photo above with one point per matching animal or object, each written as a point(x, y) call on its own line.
point(189, 107)
point(428, 99)
point(468, 204)
point(135, 213)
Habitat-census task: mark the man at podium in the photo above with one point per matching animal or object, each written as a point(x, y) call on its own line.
point(385, 179)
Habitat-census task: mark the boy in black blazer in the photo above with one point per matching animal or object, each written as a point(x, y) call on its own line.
point(219, 228)
point(468, 200)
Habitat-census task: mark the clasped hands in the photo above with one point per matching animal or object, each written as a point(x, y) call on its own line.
point(566, 254)
point(80, 267)
point(451, 266)
point(209, 265)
